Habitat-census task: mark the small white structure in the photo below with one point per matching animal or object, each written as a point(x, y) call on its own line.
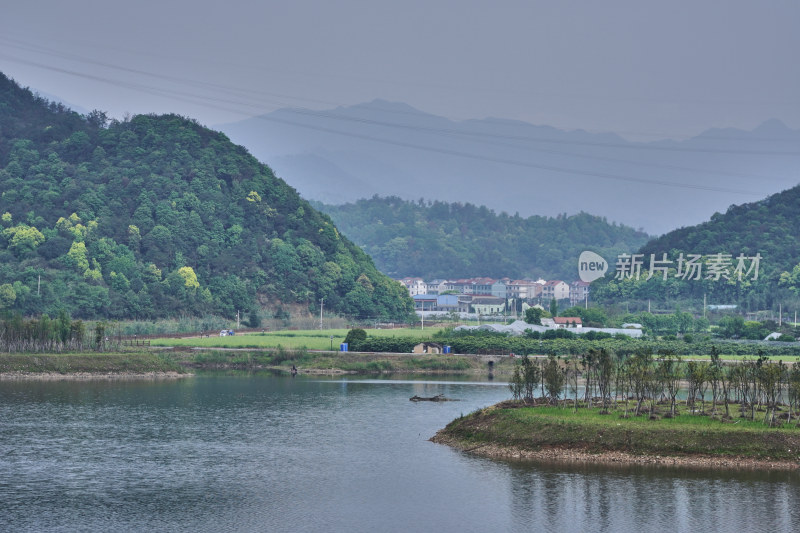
point(519, 327)
point(428, 347)
point(568, 322)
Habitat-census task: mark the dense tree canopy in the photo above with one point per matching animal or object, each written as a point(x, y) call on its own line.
point(444, 240)
point(767, 229)
point(159, 216)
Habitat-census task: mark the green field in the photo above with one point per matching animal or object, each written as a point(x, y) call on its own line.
point(292, 339)
point(330, 339)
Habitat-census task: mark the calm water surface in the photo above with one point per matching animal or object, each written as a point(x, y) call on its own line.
point(266, 453)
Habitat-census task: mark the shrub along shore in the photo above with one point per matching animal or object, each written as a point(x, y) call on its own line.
point(80, 365)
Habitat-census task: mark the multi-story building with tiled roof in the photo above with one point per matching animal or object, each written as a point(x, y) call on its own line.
point(555, 289)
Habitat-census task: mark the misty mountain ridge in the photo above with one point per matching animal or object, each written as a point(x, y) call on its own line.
point(392, 149)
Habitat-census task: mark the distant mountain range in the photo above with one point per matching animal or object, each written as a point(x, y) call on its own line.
point(391, 149)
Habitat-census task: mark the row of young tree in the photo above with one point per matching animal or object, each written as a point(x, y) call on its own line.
point(611, 382)
point(51, 335)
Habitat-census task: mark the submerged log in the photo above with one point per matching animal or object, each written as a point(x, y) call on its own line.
point(437, 398)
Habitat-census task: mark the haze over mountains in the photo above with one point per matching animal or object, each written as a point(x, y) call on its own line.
point(387, 148)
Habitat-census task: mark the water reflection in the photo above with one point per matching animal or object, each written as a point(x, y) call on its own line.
point(604, 498)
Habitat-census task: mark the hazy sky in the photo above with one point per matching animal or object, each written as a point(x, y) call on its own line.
point(642, 68)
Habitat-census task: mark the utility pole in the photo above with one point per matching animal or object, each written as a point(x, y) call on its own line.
point(321, 301)
point(423, 313)
point(38, 285)
point(237, 319)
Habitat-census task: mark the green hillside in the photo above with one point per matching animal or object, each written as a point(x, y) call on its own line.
point(769, 227)
point(453, 240)
point(158, 216)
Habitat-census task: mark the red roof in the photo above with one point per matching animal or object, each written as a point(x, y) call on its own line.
point(567, 320)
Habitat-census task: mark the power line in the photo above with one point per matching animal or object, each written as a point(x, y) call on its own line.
point(315, 76)
point(327, 114)
point(521, 163)
point(542, 139)
point(182, 96)
point(185, 81)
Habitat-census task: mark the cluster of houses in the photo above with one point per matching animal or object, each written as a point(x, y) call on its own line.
point(489, 296)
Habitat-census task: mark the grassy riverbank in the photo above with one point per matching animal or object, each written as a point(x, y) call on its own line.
point(88, 363)
point(178, 360)
point(561, 434)
point(326, 362)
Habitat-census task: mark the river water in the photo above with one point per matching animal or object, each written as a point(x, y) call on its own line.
point(221, 452)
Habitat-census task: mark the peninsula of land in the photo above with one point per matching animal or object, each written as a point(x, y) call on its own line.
point(554, 434)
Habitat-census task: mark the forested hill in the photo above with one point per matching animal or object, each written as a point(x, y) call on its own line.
point(768, 229)
point(159, 216)
point(452, 240)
